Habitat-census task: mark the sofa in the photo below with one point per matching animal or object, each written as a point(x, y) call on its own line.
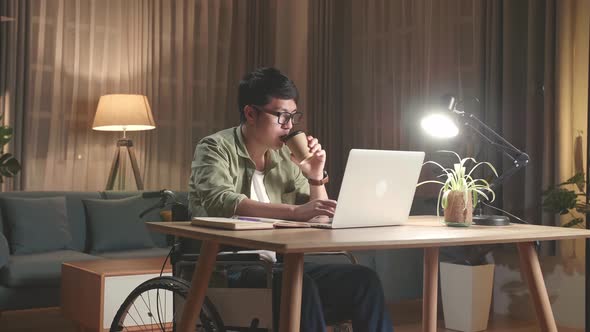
point(41, 230)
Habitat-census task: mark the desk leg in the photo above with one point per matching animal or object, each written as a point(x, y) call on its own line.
point(291, 293)
point(430, 289)
point(531, 271)
point(199, 285)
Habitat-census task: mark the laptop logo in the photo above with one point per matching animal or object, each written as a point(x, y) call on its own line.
point(381, 188)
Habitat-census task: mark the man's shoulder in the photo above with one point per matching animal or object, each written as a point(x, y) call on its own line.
point(221, 137)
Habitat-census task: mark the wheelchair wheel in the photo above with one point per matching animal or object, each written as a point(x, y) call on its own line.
point(153, 306)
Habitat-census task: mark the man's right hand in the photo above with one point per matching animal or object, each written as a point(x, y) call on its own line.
point(314, 208)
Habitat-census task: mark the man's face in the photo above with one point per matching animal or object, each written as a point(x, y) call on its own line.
point(267, 130)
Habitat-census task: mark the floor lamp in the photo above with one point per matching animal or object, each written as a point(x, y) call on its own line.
point(124, 113)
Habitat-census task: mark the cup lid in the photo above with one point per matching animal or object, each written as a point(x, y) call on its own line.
point(291, 134)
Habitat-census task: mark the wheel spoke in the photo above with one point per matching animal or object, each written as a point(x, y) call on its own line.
point(131, 316)
point(138, 314)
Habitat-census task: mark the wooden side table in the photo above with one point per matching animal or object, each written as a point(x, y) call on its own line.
point(93, 291)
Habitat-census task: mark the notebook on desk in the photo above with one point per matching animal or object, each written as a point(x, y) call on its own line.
point(230, 223)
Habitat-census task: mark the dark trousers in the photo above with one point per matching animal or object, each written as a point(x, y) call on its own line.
point(332, 293)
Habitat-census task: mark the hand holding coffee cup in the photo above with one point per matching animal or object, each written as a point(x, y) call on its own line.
point(298, 144)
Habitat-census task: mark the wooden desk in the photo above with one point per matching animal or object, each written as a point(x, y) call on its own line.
point(421, 232)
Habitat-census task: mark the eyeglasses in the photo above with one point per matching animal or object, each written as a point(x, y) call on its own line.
point(282, 117)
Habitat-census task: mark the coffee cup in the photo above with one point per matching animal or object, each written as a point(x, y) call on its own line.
point(297, 143)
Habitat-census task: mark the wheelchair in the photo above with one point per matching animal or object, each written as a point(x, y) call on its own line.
point(156, 304)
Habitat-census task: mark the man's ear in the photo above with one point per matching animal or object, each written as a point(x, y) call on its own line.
point(249, 113)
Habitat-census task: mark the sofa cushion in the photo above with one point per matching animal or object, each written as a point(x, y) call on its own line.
point(160, 239)
point(136, 253)
point(75, 210)
point(37, 224)
point(38, 270)
point(114, 225)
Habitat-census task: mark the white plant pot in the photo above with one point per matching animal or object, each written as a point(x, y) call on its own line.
point(466, 296)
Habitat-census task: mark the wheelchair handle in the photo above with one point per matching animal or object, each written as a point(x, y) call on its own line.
point(165, 195)
point(151, 194)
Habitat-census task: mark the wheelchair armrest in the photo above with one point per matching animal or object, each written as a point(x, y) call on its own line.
point(347, 254)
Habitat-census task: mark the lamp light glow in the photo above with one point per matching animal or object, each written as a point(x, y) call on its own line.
point(439, 126)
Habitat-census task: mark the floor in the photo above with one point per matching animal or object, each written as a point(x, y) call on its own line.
point(50, 320)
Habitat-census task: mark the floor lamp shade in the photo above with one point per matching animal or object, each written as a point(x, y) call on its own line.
point(119, 112)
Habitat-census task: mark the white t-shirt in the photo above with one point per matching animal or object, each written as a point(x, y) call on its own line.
point(258, 193)
point(257, 189)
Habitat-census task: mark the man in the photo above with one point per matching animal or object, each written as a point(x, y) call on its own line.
point(247, 170)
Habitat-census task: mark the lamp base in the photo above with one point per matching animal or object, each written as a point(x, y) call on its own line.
point(124, 144)
point(491, 220)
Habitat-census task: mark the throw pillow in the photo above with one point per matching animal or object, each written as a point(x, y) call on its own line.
point(114, 224)
point(36, 224)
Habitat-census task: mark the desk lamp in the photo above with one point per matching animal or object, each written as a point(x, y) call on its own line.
point(443, 125)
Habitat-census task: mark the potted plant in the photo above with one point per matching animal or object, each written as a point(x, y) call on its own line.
point(459, 193)
point(466, 278)
point(9, 166)
point(560, 200)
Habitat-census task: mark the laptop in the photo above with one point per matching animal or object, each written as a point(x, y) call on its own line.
point(377, 189)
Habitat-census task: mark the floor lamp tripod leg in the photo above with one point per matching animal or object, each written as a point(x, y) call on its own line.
point(114, 169)
point(135, 167)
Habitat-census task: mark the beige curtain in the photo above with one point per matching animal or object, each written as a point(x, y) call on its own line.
point(573, 36)
point(187, 56)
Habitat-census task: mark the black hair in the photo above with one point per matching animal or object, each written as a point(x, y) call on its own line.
point(259, 86)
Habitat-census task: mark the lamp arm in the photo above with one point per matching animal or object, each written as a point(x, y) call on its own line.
point(470, 119)
point(519, 158)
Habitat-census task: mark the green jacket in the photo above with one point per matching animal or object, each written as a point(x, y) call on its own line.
point(221, 175)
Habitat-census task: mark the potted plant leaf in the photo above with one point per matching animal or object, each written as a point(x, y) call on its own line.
point(9, 166)
point(459, 192)
point(466, 278)
point(560, 200)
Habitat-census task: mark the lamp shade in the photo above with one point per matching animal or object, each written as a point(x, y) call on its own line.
point(119, 112)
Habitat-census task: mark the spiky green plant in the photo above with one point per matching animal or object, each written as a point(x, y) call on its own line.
point(458, 179)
